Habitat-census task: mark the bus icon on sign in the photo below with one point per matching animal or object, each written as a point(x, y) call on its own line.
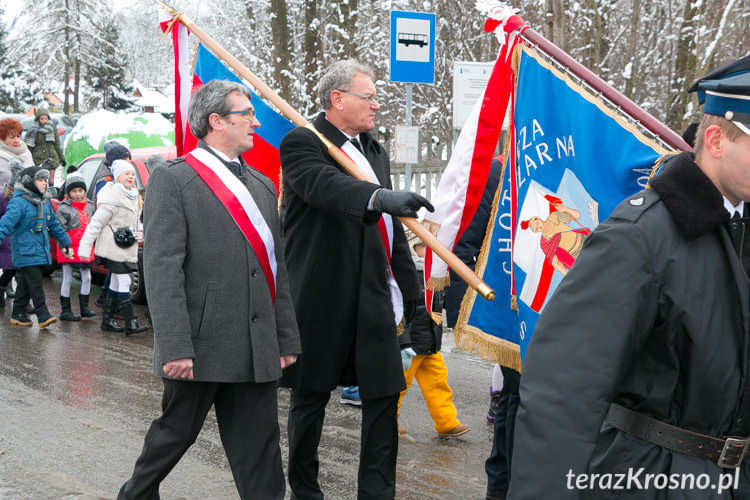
point(413, 39)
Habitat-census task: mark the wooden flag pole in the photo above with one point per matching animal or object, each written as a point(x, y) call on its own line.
point(264, 90)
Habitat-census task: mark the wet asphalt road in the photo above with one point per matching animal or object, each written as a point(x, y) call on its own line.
point(75, 404)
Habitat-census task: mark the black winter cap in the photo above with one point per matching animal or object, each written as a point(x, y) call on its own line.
point(115, 151)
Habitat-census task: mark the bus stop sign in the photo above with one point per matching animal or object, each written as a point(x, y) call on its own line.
point(412, 47)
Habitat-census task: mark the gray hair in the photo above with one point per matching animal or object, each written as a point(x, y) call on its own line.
point(211, 98)
point(339, 76)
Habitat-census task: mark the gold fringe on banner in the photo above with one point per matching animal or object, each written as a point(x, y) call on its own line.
point(594, 99)
point(657, 165)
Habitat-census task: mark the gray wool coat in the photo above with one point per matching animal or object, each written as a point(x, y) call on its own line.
point(207, 293)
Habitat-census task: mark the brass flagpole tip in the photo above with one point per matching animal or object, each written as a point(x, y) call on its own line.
point(486, 292)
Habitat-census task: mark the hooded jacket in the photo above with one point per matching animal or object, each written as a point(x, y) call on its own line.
point(30, 247)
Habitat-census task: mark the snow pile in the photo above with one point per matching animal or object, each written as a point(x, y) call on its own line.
point(97, 126)
point(132, 130)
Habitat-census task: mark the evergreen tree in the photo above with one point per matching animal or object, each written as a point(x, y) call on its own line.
point(107, 75)
point(17, 89)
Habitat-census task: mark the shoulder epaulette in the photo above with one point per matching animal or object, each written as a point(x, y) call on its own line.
point(174, 161)
point(636, 205)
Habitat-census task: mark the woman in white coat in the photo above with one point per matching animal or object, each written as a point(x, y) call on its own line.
point(114, 227)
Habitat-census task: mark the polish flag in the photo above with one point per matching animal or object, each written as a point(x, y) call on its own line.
point(182, 74)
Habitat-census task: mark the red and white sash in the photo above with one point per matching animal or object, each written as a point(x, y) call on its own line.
point(233, 194)
point(385, 225)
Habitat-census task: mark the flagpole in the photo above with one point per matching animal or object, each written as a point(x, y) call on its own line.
point(666, 134)
point(264, 90)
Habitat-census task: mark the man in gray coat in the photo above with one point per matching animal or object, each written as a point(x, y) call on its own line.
point(216, 280)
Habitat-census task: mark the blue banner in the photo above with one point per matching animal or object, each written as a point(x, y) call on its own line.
point(576, 160)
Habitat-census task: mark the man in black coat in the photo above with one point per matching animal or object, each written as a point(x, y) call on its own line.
point(348, 298)
point(639, 369)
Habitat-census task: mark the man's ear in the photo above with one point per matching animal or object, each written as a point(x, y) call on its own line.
point(216, 121)
point(336, 100)
point(712, 138)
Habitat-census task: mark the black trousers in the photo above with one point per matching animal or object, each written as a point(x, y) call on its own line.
point(378, 445)
point(249, 428)
point(6, 277)
point(498, 464)
point(29, 287)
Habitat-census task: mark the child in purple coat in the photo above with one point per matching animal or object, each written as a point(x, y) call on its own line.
point(6, 262)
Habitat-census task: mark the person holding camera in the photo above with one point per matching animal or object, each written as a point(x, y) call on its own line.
point(114, 227)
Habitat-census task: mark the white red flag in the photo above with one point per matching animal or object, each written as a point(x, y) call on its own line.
point(463, 182)
point(183, 76)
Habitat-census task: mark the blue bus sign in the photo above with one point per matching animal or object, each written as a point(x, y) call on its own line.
point(412, 47)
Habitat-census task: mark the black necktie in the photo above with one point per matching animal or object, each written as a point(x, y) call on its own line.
point(357, 145)
point(236, 168)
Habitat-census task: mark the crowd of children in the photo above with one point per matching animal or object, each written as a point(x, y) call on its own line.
point(105, 232)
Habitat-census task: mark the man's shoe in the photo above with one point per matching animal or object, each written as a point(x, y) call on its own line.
point(20, 319)
point(45, 319)
point(494, 404)
point(350, 396)
point(458, 430)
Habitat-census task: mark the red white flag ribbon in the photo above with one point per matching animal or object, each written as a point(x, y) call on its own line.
point(385, 226)
point(182, 73)
point(235, 197)
point(461, 186)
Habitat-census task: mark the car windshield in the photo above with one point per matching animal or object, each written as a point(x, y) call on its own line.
point(88, 169)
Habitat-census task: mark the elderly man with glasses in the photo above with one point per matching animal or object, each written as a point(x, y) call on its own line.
point(217, 285)
point(352, 278)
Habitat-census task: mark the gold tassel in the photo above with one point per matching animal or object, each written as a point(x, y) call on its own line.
point(513, 303)
point(657, 165)
point(438, 283)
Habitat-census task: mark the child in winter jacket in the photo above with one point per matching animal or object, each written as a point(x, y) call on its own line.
point(114, 227)
point(29, 221)
point(74, 213)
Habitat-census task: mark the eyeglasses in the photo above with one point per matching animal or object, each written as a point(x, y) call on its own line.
point(247, 114)
point(371, 98)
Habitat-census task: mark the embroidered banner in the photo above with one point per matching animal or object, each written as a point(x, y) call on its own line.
point(575, 160)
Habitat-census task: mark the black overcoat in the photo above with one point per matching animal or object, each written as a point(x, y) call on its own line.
point(653, 316)
point(338, 268)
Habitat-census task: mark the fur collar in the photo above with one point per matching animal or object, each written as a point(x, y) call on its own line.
point(691, 198)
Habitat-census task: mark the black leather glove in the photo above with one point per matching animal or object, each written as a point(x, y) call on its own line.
point(400, 203)
point(410, 309)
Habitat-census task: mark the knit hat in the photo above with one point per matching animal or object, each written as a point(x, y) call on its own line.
point(74, 181)
point(29, 174)
point(113, 150)
point(120, 166)
point(41, 112)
